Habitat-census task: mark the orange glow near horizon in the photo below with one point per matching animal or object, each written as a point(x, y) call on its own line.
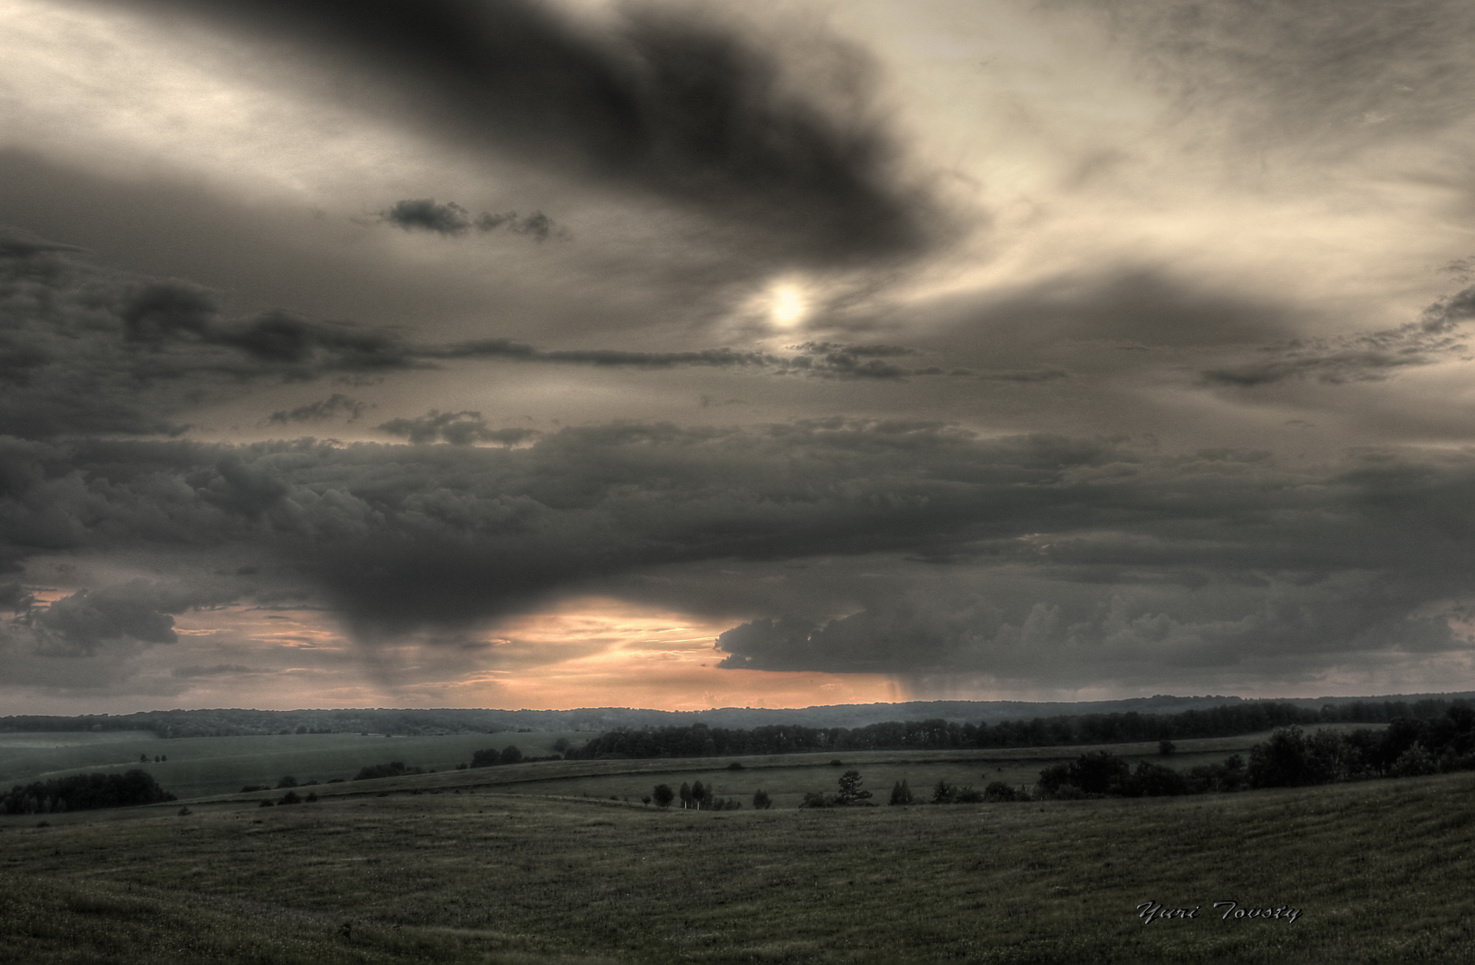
point(626, 655)
point(587, 652)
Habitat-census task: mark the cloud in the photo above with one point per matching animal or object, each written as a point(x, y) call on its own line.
point(323, 409)
point(1118, 633)
point(665, 104)
point(19, 243)
point(457, 428)
point(424, 214)
point(85, 350)
point(1366, 357)
point(1026, 557)
point(139, 610)
point(1331, 77)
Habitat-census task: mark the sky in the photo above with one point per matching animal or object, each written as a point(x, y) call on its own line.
point(680, 354)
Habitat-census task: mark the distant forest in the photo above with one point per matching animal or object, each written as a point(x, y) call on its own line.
point(699, 740)
point(852, 717)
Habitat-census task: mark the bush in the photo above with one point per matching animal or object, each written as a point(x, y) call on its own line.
point(392, 769)
point(761, 800)
point(998, 792)
point(290, 798)
point(663, 795)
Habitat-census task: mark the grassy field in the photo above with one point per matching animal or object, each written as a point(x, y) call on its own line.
point(199, 766)
point(483, 866)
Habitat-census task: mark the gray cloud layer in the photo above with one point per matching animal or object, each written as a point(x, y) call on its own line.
point(667, 104)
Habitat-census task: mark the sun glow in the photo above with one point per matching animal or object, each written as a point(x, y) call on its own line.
point(787, 305)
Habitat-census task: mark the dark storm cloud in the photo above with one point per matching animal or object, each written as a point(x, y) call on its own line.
point(457, 428)
point(661, 103)
point(139, 610)
point(1366, 357)
point(424, 214)
point(332, 407)
point(86, 350)
point(1330, 75)
point(1052, 559)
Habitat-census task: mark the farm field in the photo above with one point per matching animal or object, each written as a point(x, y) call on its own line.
point(207, 766)
point(434, 868)
point(200, 766)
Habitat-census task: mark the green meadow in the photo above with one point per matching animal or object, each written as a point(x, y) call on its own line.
point(534, 863)
point(200, 766)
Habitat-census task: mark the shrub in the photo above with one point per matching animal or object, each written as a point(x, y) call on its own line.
point(392, 769)
point(290, 798)
point(761, 800)
point(999, 792)
point(663, 795)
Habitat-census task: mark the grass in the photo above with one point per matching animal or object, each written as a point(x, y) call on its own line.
point(469, 866)
point(200, 766)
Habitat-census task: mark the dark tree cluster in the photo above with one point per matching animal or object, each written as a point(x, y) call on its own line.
point(1103, 774)
point(1406, 748)
point(702, 797)
point(491, 757)
point(84, 792)
point(392, 769)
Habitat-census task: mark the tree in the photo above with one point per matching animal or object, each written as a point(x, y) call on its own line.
point(663, 795)
point(510, 755)
point(943, 793)
point(761, 800)
point(850, 790)
point(900, 793)
point(685, 794)
point(700, 795)
point(1166, 748)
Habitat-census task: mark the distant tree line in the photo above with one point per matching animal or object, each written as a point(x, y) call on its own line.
point(1229, 720)
point(84, 792)
point(1289, 758)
